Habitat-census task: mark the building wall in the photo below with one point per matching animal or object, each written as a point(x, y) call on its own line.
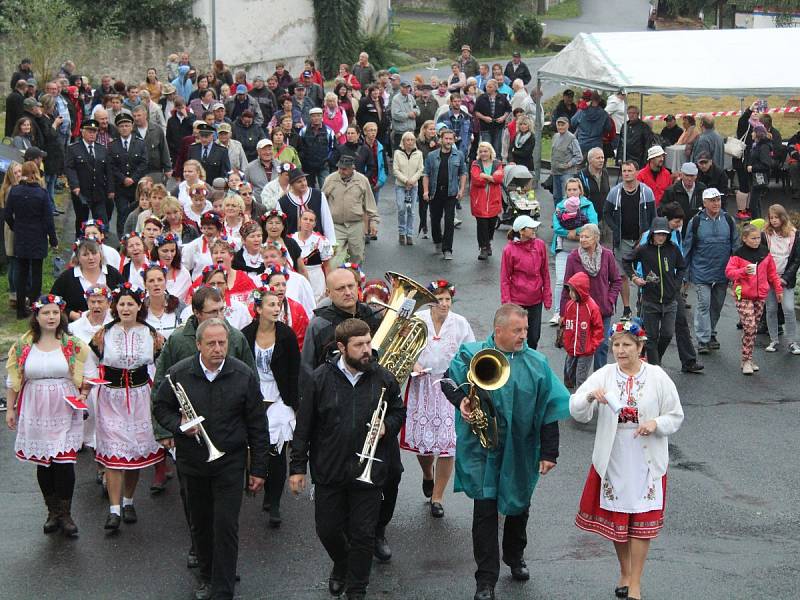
point(760, 20)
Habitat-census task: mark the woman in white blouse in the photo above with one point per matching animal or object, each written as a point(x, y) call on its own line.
point(166, 250)
point(637, 407)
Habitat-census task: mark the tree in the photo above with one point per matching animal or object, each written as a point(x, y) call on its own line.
point(491, 17)
point(338, 33)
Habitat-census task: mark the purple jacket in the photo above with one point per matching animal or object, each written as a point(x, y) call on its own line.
point(603, 288)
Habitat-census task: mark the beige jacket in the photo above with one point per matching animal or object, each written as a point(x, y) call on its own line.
point(349, 201)
point(407, 168)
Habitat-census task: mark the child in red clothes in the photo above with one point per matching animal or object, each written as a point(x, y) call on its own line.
point(583, 330)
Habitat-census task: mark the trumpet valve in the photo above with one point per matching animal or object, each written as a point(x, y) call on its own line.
point(193, 423)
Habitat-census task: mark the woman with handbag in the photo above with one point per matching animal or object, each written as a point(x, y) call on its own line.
point(759, 165)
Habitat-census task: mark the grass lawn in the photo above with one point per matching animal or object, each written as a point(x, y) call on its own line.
point(569, 9)
point(422, 40)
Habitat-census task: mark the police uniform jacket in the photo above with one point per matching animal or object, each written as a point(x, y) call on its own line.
point(216, 164)
point(132, 163)
point(91, 175)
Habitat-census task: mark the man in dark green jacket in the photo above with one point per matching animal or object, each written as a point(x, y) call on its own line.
point(206, 304)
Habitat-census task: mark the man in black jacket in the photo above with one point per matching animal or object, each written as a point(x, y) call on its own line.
point(226, 392)
point(337, 400)
point(659, 277)
point(211, 155)
point(711, 175)
point(516, 69)
point(88, 171)
point(687, 191)
point(640, 138)
point(14, 105)
point(159, 163)
point(128, 157)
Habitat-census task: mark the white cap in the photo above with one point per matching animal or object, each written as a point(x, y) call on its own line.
point(711, 193)
point(523, 221)
point(262, 143)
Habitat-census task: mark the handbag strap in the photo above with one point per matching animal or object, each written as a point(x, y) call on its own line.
point(746, 133)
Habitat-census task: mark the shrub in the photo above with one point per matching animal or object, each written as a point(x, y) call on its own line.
point(476, 34)
point(528, 31)
point(381, 48)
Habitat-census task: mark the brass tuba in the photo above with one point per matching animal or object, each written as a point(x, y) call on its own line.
point(489, 370)
point(401, 337)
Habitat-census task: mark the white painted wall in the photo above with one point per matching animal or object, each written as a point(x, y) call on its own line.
point(254, 34)
point(760, 20)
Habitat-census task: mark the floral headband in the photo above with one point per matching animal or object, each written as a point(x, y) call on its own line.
point(100, 290)
point(81, 240)
point(259, 293)
point(632, 326)
point(273, 269)
point(209, 270)
point(94, 223)
point(48, 299)
point(128, 236)
point(355, 268)
point(149, 266)
point(229, 241)
point(169, 238)
point(278, 246)
point(376, 288)
point(442, 284)
point(128, 289)
point(273, 213)
point(211, 218)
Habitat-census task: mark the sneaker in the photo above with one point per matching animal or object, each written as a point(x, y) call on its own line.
point(747, 368)
point(755, 366)
point(742, 215)
point(773, 347)
point(703, 348)
point(626, 312)
point(555, 319)
point(483, 254)
point(457, 223)
point(713, 343)
point(447, 255)
point(794, 348)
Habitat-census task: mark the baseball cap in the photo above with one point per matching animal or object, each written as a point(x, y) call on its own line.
point(217, 105)
point(306, 73)
point(711, 193)
point(660, 225)
point(703, 156)
point(689, 168)
point(262, 143)
point(523, 221)
point(30, 103)
point(241, 89)
point(224, 128)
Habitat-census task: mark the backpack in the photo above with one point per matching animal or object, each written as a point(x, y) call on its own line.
point(696, 226)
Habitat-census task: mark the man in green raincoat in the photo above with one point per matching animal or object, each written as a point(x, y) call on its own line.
point(501, 480)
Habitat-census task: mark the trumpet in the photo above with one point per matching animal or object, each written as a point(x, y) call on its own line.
point(194, 420)
point(367, 453)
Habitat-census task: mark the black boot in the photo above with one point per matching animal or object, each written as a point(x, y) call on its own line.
point(484, 591)
point(53, 522)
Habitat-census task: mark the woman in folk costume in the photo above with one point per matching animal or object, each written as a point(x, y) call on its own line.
point(235, 312)
point(167, 251)
point(430, 429)
point(292, 312)
point(238, 285)
point(637, 409)
point(197, 254)
point(46, 366)
point(124, 432)
point(316, 251)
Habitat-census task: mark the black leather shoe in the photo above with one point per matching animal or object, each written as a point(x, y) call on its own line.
point(191, 560)
point(713, 343)
point(621, 592)
point(355, 596)
point(202, 592)
point(382, 550)
point(129, 514)
point(484, 591)
point(427, 487)
point(437, 510)
point(275, 517)
point(112, 521)
point(336, 580)
point(520, 572)
point(692, 367)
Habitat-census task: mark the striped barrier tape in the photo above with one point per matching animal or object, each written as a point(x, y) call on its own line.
point(721, 113)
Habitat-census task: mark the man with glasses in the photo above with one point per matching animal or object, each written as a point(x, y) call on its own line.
point(710, 240)
point(207, 303)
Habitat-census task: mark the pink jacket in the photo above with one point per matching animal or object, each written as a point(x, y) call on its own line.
point(524, 276)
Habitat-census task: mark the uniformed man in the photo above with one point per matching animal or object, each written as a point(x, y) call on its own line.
point(128, 166)
point(159, 163)
point(213, 157)
point(88, 170)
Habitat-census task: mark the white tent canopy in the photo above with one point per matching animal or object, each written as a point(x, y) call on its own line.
point(739, 62)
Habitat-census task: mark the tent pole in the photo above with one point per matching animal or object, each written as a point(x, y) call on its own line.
point(538, 124)
point(625, 129)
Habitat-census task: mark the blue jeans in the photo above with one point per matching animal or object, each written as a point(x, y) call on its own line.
point(601, 354)
point(406, 200)
point(790, 319)
point(495, 137)
point(559, 181)
point(50, 182)
point(710, 298)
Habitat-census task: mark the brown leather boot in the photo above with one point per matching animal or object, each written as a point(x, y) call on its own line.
point(53, 522)
point(67, 524)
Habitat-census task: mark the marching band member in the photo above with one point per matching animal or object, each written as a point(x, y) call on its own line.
point(124, 430)
point(501, 480)
point(330, 434)
point(637, 409)
point(430, 421)
point(225, 391)
point(316, 251)
point(277, 357)
point(197, 254)
point(45, 366)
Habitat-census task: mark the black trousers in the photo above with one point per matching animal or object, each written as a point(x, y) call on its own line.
point(276, 477)
point(185, 503)
point(683, 335)
point(98, 210)
point(423, 211)
point(443, 206)
point(485, 545)
point(214, 504)
point(534, 324)
point(56, 480)
point(346, 517)
point(659, 323)
point(389, 490)
point(486, 229)
point(28, 270)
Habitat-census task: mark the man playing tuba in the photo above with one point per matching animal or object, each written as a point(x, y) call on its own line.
point(501, 478)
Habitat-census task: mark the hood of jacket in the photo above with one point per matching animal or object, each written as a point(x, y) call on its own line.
point(183, 70)
point(580, 283)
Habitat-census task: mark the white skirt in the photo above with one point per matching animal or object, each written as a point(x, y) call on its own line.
point(316, 277)
point(281, 421)
point(124, 429)
point(628, 486)
point(430, 418)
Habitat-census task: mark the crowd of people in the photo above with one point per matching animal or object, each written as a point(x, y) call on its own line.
point(243, 212)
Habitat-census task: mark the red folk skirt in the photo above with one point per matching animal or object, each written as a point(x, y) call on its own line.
point(616, 526)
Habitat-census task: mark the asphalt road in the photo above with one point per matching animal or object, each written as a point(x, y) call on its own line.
point(731, 530)
point(603, 15)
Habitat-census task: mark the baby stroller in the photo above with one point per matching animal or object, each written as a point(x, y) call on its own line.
point(518, 196)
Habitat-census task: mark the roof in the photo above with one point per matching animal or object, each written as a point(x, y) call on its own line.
point(694, 63)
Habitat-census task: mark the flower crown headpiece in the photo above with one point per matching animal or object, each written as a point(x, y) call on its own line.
point(273, 269)
point(169, 238)
point(273, 213)
point(129, 236)
point(355, 268)
point(99, 290)
point(128, 289)
point(229, 241)
point(48, 299)
point(80, 241)
point(153, 264)
point(442, 284)
point(378, 287)
point(278, 246)
point(208, 270)
point(211, 218)
point(94, 223)
point(632, 326)
point(259, 293)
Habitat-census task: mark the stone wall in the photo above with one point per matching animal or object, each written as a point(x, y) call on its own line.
point(440, 5)
point(131, 56)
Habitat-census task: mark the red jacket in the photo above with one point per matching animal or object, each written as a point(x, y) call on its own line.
point(658, 184)
point(524, 276)
point(753, 287)
point(583, 323)
point(485, 197)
